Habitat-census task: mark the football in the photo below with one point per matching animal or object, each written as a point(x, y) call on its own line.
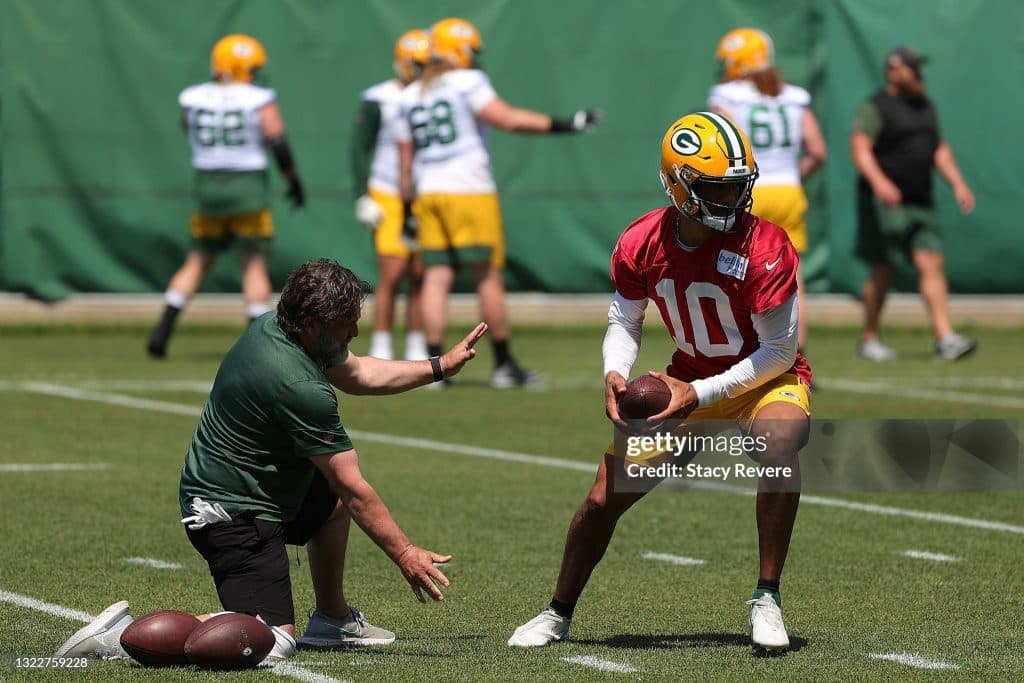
point(158, 639)
point(229, 641)
point(645, 396)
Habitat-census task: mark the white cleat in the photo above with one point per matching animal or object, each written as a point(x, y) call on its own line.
point(766, 628)
point(545, 628)
point(101, 637)
point(874, 350)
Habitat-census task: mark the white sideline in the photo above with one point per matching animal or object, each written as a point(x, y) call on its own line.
point(911, 659)
point(510, 456)
point(52, 466)
point(925, 555)
point(601, 664)
point(672, 559)
point(155, 564)
point(281, 669)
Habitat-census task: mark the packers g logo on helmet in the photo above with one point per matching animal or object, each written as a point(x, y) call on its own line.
point(412, 52)
point(455, 41)
point(703, 149)
point(236, 57)
point(744, 51)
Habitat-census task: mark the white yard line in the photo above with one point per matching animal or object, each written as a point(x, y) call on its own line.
point(925, 555)
point(52, 466)
point(855, 386)
point(601, 664)
point(1005, 383)
point(672, 559)
point(911, 659)
point(281, 669)
point(48, 607)
point(511, 456)
point(150, 562)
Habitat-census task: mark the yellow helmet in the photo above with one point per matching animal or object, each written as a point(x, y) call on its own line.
point(744, 51)
point(236, 57)
point(703, 154)
point(412, 51)
point(455, 41)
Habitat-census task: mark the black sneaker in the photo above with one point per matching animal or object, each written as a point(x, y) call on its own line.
point(509, 375)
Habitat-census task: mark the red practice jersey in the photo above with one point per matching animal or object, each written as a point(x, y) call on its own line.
point(707, 296)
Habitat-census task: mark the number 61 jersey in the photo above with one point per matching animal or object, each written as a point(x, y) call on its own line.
point(707, 295)
point(451, 143)
point(224, 125)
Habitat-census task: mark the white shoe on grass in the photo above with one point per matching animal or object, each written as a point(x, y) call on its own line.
point(101, 637)
point(766, 628)
point(874, 350)
point(354, 629)
point(545, 628)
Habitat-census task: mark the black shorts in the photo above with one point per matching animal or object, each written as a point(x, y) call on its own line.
point(248, 560)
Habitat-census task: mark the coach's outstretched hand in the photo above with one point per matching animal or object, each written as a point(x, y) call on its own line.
point(417, 565)
point(463, 352)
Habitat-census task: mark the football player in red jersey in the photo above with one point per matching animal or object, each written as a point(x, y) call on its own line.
point(724, 282)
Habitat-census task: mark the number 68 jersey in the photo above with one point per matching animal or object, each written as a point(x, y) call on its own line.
point(224, 125)
point(450, 141)
point(707, 295)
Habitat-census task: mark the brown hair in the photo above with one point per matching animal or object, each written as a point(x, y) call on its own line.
point(323, 290)
point(767, 81)
point(434, 69)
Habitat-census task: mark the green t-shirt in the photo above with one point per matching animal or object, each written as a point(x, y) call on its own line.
point(271, 408)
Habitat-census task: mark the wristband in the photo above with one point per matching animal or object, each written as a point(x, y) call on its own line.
point(561, 125)
point(435, 363)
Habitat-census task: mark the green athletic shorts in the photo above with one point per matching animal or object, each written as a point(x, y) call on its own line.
point(890, 234)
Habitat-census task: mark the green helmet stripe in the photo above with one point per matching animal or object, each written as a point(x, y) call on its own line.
point(733, 140)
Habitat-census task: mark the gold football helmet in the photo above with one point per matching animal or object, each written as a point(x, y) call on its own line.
point(237, 57)
point(708, 169)
point(455, 41)
point(744, 51)
point(412, 52)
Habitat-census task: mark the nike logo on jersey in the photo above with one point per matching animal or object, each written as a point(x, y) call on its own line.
point(769, 266)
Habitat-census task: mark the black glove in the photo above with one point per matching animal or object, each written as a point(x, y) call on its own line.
point(295, 194)
point(410, 227)
point(581, 121)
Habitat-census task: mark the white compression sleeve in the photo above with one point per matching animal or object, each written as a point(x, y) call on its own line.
point(622, 340)
point(777, 334)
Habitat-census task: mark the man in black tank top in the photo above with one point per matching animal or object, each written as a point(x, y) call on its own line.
point(895, 143)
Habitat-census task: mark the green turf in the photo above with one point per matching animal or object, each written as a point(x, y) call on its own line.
point(847, 590)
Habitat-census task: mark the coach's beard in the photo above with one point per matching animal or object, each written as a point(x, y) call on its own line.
point(329, 351)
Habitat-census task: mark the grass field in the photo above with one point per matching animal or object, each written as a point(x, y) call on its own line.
point(90, 397)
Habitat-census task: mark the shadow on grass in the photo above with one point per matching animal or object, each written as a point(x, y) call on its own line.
point(673, 641)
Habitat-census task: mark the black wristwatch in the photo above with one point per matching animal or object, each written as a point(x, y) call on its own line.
point(435, 363)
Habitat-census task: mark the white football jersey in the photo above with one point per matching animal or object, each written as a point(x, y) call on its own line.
point(451, 143)
point(384, 171)
point(773, 124)
point(224, 125)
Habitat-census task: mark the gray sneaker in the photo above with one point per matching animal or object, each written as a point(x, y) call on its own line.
point(354, 629)
point(954, 347)
point(101, 637)
point(509, 375)
point(874, 350)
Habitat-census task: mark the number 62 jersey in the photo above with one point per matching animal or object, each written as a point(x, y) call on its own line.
point(708, 294)
point(224, 125)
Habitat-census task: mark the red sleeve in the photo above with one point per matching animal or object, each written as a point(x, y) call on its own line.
point(629, 281)
point(771, 278)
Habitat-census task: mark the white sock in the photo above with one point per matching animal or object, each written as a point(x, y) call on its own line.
point(175, 299)
point(416, 345)
point(380, 345)
point(284, 645)
point(253, 311)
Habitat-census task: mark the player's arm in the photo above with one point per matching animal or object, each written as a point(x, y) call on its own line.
point(362, 375)
point(945, 164)
point(371, 514)
point(501, 114)
point(777, 346)
point(365, 128)
point(815, 150)
point(866, 127)
point(620, 349)
point(272, 127)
